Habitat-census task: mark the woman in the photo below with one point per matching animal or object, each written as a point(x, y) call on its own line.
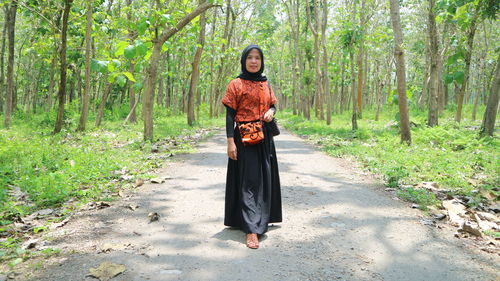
point(253, 196)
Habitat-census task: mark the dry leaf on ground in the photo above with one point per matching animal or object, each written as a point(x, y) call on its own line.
point(106, 271)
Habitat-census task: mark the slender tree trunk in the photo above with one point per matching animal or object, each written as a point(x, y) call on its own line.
point(152, 69)
point(400, 73)
point(354, 118)
point(11, 26)
point(102, 105)
point(315, 31)
point(62, 85)
point(3, 92)
point(359, 100)
point(218, 79)
point(432, 118)
point(477, 90)
point(88, 53)
point(488, 125)
point(294, 43)
point(378, 88)
point(195, 74)
point(326, 80)
point(342, 105)
point(468, 54)
point(35, 89)
point(159, 97)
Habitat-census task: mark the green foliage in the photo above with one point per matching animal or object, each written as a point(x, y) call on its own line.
point(51, 169)
point(449, 154)
point(422, 197)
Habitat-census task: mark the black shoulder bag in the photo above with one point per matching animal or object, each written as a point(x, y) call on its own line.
point(274, 130)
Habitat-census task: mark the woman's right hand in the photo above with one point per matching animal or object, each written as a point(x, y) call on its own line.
point(231, 149)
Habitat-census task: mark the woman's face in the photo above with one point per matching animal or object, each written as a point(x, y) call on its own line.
point(254, 61)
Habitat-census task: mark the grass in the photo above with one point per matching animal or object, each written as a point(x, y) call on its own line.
point(41, 170)
point(450, 154)
point(50, 169)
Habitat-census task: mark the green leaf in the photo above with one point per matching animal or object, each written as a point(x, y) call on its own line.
point(138, 85)
point(129, 52)
point(141, 49)
point(148, 55)
point(117, 63)
point(15, 262)
point(121, 80)
point(120, 47)
point(111, 67)
point(99, 66)
point(142, 26)
point(112, 77)
point(448, 78)
point(138, 68)
point(129, 76)
point(459, 77)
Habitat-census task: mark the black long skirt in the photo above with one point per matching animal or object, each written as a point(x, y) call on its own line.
point(253, 195)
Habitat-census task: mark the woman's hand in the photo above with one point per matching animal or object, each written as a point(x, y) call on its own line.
point(231, 149)
point(268, 116)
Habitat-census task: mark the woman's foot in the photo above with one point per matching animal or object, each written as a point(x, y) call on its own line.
point(252, 241)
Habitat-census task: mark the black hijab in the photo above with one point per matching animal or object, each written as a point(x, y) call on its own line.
point(257, 76)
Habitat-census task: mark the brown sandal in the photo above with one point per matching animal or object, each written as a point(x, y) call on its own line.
point(252, 241)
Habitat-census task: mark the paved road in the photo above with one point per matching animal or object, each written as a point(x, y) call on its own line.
point(338, 225)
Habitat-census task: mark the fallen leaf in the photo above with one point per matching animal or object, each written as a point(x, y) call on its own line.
point(139, 182)
point(470, 228)
point(121, 193)
point(157, 180)
point(488, 195)
point(488, 216)
point(45, 212)
point(456, 211)
point(153, 216)
point(30, 244)
point(106, 271)
point(133, 207)
point(107, 247)
point(439, 216)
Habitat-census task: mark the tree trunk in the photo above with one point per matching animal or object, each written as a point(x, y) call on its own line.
point(354, 118)
point(432, 118)
point(378, 88)
point(477, 88)
point(326, 79)
point(342, 105)
point(317, 55)
point(291, 7)
point(195, 74)
point(400, 73)
point(216, 89)
point(468, 54)
point(152, 69)
point(359, 100)
point(88, 53)
point(11, 26)
point(488, 125)
point(102, 104)
point(3, 93)
point(62, 86)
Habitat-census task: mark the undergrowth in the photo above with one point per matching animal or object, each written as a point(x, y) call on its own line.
point(450, 154)
point(46, 170)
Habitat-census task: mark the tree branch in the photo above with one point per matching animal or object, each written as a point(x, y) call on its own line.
point(167, 33)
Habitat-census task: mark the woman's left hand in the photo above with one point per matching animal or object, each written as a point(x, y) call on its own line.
point(268, 116)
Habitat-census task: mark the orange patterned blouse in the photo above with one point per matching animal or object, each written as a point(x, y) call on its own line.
point(250, 99)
